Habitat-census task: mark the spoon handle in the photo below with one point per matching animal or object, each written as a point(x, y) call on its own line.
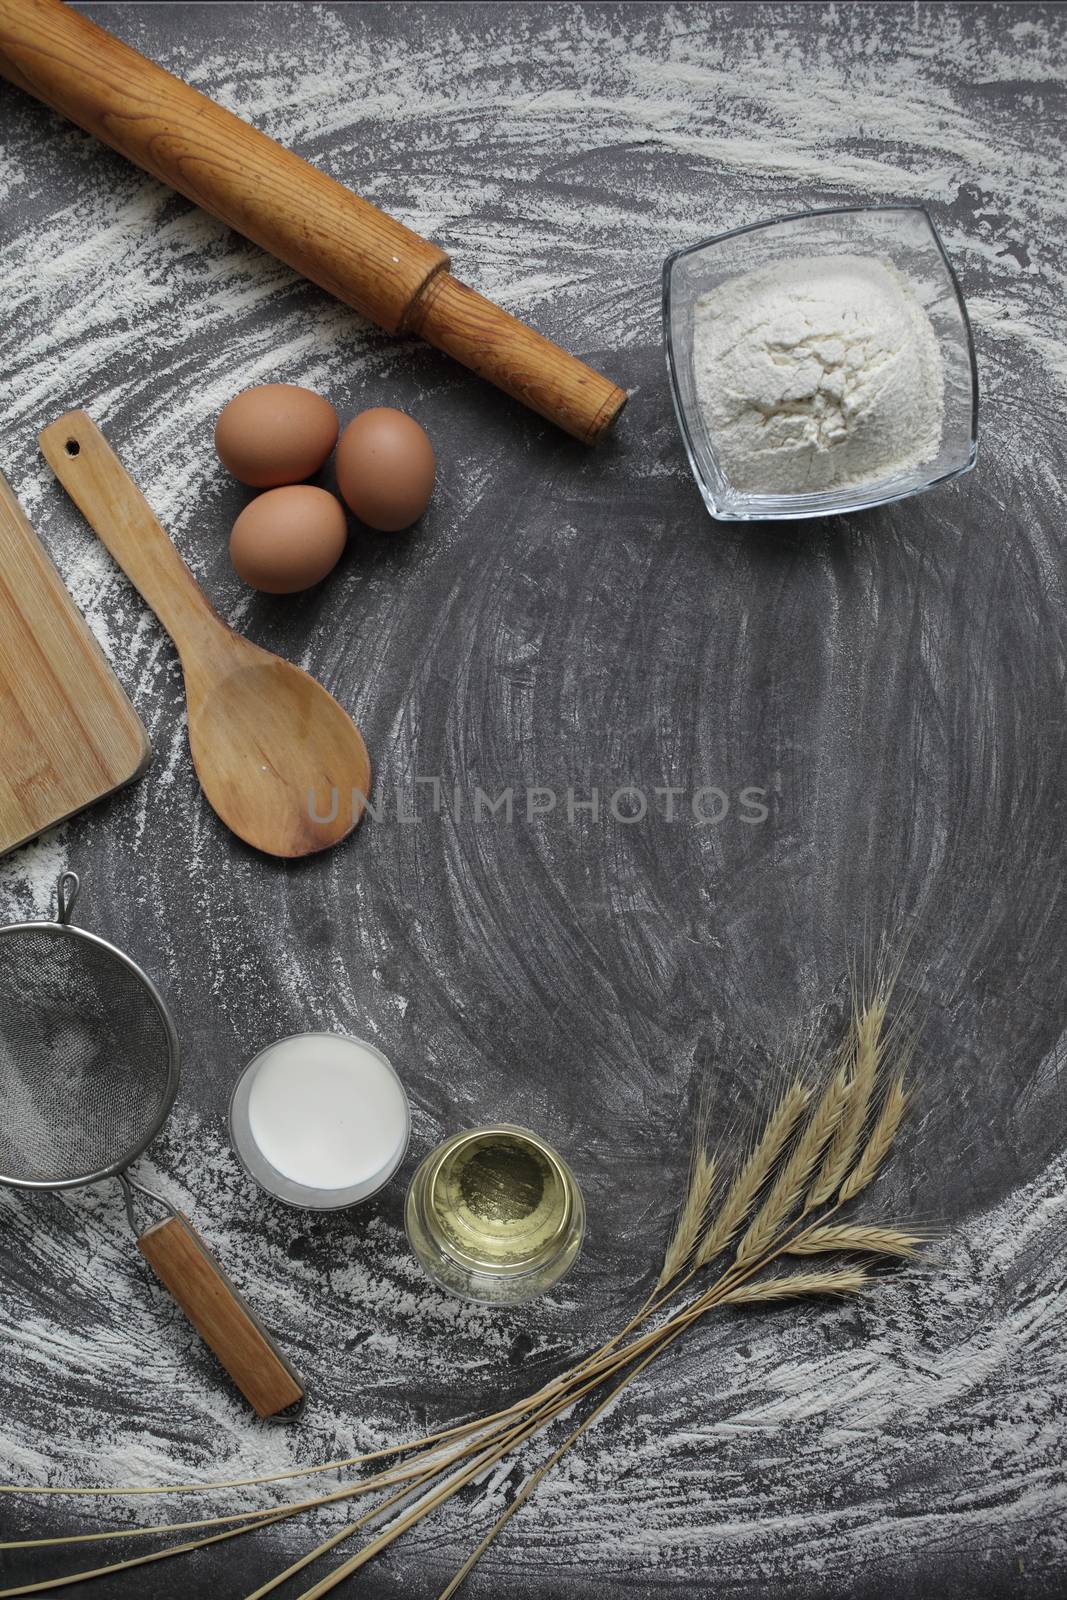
point(122, 519)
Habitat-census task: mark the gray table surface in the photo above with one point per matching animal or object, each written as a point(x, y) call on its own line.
point(894, 681)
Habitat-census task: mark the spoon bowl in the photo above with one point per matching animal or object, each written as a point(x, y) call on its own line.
point(280, 762)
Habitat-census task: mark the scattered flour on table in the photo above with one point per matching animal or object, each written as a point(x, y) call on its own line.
point(817, 373)
point(702, 1467)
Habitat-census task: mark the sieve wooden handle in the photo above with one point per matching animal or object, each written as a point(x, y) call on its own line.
point(338, 240)
point(187, 1269)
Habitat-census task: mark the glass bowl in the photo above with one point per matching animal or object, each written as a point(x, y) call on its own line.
point(907, 237)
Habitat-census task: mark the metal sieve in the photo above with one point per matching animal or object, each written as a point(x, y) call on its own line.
point(89, 1066)
point(88, 1054)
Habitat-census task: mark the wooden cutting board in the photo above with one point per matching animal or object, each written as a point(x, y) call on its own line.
point(68, 734)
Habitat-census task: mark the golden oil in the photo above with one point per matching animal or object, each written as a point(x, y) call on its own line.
point(495, 1215)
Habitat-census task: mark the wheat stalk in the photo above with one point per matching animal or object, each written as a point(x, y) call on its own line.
point(791, 1184)
point(741, 1196)
point(866, 1050)
point(843, 1281)
point(855, 1238)
point(880, 1142)
point(691, 1220)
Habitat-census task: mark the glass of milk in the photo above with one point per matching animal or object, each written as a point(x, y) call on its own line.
point(320, 1120)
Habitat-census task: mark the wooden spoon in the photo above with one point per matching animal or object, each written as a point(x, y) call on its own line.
point(281, 763)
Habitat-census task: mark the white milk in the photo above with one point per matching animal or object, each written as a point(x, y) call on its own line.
point(327, 1112)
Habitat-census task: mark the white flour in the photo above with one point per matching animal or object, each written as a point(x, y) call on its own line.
point(817, 374)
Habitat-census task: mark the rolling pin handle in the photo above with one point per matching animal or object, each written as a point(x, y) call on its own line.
point(508, 353)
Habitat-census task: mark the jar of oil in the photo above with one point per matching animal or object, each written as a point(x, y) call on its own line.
point(495, 1215)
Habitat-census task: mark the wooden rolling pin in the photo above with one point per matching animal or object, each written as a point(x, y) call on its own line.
point(341, 242)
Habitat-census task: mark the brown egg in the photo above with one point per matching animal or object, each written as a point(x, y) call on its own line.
point(288, 539)
point(275, 433)
point(385, 468)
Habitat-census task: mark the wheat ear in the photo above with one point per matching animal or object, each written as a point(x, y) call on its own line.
point(790, 1186)
point(742, 1193)
point(867, 1047)
point(691, 1220)
point(843, 1281)
point(880, 1142)
point(855, 1238)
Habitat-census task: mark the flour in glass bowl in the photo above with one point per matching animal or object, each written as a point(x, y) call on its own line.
point(817, 373)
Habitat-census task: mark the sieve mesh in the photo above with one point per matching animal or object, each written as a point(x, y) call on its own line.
point(87, 1062)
